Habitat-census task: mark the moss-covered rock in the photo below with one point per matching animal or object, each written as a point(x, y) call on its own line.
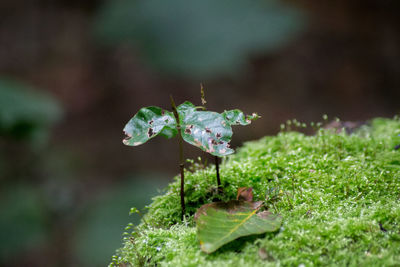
point(338, 194)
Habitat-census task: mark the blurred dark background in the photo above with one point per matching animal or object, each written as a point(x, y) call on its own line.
point(72, 73)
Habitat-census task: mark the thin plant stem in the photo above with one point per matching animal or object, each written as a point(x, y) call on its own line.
point(203, 102)
point(181, 161)
point(218, 178)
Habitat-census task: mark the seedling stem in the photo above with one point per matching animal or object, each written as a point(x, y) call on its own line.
point(203, 102)
point(181, 160)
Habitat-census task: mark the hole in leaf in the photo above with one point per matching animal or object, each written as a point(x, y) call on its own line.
point(128, 134)
point(210, 145)
point(150, 132)
point(198, 143)
point(126, 140)
point(188, 129)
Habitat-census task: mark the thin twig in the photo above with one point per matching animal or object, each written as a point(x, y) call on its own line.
point(181, 161)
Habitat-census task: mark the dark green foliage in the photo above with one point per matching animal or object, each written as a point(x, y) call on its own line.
point(198, 38)
point(22, 221)
point(25, 113)
point(335, 193)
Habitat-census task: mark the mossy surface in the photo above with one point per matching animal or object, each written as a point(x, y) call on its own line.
point(338, 194)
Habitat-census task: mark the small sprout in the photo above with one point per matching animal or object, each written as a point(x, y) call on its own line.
point(194, 126)
point(203, 98)
point(133, 211)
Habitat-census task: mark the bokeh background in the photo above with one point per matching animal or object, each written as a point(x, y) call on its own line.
point(72, 73)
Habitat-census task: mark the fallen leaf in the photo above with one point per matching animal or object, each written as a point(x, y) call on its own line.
point(219, 223)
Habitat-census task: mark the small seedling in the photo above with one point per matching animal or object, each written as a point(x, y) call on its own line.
point(207, 130)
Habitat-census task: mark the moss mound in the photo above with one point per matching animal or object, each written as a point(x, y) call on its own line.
point(338, 194)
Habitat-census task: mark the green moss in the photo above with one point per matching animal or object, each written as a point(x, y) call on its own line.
point(339, 196)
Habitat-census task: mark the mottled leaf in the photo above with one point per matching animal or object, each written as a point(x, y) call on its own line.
point(210, 131)
point(236, 117)
point(219, 223)
point(207, 130)
point(148, 123)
